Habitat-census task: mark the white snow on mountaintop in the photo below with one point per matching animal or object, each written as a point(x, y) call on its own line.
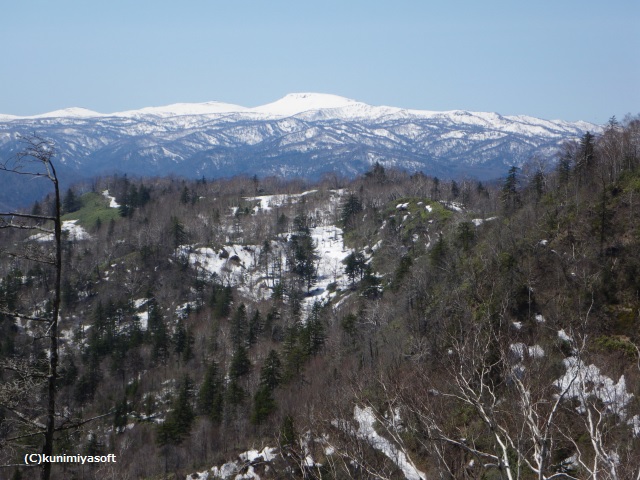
point(72, 112)
point(295, 103)
point(318, 106)
point(289, 105)
point(182, 109)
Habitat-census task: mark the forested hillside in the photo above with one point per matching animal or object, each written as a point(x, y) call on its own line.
point(390, 326)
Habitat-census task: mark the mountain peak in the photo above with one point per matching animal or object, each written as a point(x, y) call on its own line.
point(184, 109)
point(295, 103)
point(72, 112)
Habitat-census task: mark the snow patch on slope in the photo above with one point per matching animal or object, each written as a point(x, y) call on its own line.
point(112, 200)
point(366, 420)
point(331, 251)
point(267, 202)
point(584, 381)
point(232, 469)
point(75, 232)
point(235, 265)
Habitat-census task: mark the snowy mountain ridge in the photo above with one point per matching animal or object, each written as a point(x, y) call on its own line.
point(299, 135)
point(314, 104)
point(291, 104)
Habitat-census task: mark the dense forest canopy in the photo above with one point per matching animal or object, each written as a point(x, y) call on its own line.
point(394, 325)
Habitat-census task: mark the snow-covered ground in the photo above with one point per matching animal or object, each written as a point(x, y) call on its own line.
point(331, 251)
point(232, 469)
point(520, 350)
point(562, 335)
point(479, 221)
point(112, 200)
point(236, 265)
point(456, 206)
point(267, 202)
point(240, 265)
point(366, 420)
point(585, 381)
point(75, 232)
point(144, 320)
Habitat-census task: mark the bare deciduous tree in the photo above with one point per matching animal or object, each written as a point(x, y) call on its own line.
point(35, 161)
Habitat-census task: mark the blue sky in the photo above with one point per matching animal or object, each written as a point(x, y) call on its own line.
point(574, 60)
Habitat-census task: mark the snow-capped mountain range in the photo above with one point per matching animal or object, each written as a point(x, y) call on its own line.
point(302, 134)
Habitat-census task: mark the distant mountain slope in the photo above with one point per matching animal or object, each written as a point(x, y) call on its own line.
point(303, 134)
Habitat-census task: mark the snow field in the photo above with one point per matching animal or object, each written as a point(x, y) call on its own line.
point(75, 232)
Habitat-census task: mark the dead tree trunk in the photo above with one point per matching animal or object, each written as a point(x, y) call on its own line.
point(36, 161)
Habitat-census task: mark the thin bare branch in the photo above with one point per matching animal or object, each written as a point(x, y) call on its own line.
point(18, 226)
point(27, 215)
point(24, 317)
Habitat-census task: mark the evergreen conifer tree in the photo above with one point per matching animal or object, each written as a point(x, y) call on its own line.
point(180, 339)
point(240, 363)
point(537, 184)
point(239, 326)
point(178, 423)
point(586, 154)
point(255, 327)
point(71, 202)
point(221, 299)
point(288, 435)
point(158, 332)
point(466, 235)
point(355, 266)
point(510, 196)
point(178, 233)
point(350, 209)
point(303, 255)
point(271, 371)
point(455, 189)
point(314, 331)
point(234, 394)
point(564, 168)
point(211, 394)
point(263, 405)
point(293, 351)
